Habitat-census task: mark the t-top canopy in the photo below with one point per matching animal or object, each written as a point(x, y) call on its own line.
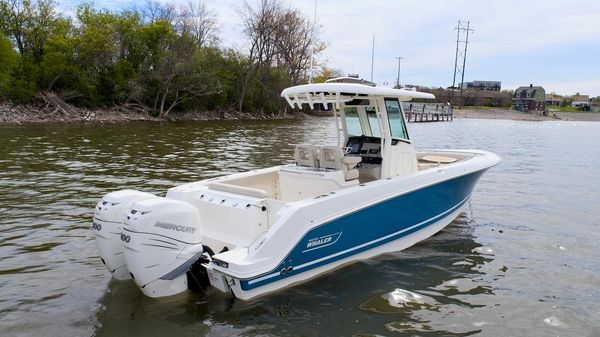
point(337, 93)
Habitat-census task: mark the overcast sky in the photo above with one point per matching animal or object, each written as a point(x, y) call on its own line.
point(555, 44)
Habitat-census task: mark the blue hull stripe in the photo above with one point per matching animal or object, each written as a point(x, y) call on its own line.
point(374, 226)
point(369, 245)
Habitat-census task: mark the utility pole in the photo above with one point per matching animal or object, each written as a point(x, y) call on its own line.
point(312, 53)
point(372, 57)
point(398, 79)
point(455, 62)
point(461, 30)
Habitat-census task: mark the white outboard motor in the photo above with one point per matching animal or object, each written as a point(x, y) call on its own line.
point(161, 239)
point(108, 218)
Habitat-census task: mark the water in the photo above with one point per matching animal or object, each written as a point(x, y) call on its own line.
point(523, 260)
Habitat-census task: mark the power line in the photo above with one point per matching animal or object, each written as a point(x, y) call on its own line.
point(461, 30)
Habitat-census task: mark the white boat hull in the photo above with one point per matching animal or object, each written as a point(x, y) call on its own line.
point(356, 223)
point(393, 246)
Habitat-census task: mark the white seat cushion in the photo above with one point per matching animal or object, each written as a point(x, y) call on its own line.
point(333, 157)
point(352, 174)
point(439, 159)
point(351, 160)
point(306, 155)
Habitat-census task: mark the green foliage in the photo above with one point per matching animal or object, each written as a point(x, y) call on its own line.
point(23, 86)
point(562, 108)
point(8, 58)
point(164, 61)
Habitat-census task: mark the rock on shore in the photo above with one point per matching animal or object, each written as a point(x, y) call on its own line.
point(48, 113)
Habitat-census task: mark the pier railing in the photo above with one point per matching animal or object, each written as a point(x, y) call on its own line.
point(419, 112)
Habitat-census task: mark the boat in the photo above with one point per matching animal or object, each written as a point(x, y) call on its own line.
point(257, 232)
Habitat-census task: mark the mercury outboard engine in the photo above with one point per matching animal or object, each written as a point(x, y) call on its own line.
point(108, 218)
point(161, 239)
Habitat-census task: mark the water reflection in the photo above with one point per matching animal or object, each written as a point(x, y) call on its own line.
point(444, 277)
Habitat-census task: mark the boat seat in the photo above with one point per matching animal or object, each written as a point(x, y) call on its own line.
point(333, 157)
point(306, 155)
point(236, 189)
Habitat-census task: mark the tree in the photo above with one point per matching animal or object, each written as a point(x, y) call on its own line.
point(160, 57)
point(9, 61)
point(197, 21)
point(14, 16)
point(281, 41)
point(296, 42)
point(177, 70)
point(30, 25)
point(58, 63)
point(260, 27)
point(327, 73)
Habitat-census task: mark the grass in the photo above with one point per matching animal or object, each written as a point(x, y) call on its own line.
point(562, 108)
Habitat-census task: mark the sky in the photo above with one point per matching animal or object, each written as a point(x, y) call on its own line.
point(555, 44)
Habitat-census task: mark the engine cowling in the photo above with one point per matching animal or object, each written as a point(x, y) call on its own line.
point(108, 218)
point(161, 238)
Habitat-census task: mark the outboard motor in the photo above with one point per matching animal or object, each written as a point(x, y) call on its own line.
point(108, 218)
point(161, 239)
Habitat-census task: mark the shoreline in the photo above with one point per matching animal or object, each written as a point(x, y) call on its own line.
point(508, 114)
point(29, 114)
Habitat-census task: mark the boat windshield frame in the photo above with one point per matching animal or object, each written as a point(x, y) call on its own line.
point(341, 95)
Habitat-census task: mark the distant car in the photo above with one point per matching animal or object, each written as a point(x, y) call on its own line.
point(585, 106)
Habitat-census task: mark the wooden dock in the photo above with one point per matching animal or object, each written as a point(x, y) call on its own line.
point(421, 113)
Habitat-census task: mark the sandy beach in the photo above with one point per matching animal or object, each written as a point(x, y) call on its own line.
point(526, 116)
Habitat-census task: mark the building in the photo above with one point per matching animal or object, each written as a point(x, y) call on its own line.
point(554, 99)
point(483, 85)
point(351, 78)
point(531, 98)
point(579, 98)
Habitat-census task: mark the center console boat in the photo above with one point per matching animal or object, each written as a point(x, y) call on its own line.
point(257, 232)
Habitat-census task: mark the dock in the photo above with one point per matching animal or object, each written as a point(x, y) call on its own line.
point(421, 113)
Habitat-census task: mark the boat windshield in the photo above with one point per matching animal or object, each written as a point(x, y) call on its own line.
point(372, 116)
point(352, 121)
point(394, 112)
point(361, 126)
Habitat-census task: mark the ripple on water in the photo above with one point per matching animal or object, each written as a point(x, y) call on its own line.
point(553, 321)
point(408, 327)
point(41, 247)
point(484, 250)
point(462, 286)
point(417, 328)
point(399, 300)
point(24, 270)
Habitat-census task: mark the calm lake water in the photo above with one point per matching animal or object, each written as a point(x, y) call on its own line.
point(523, 260)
